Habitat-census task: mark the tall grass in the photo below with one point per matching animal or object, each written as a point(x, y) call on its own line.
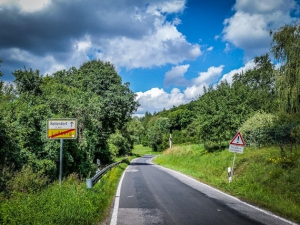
point(71, 203)
point(258, 178)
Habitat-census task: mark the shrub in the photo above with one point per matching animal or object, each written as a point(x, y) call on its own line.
point(258, 129)
point(26, 181)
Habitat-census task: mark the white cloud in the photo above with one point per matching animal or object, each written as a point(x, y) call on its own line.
point(26, 5)
point(176, 76)
point(249, 27)
point(83, 45)
point(264, 6)
point(229, 76)
point(156, 99)
point(141, 35)
point(193, 92)
point(163, 45)
point(210, 76)
point(210, 48)
point(166, 7)
point(52, 65)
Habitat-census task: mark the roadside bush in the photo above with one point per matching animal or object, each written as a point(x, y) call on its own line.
point(211, 146)
point(70, 203)
point(26, 181)
point(5, 174)
point(258, 130)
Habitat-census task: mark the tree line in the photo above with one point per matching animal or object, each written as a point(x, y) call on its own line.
point(262, 102)
point(93, 94)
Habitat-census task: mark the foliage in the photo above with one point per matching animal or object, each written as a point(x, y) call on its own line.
point(158, 134)
point(27, 181)
point(72, 203)
point(216, 116)
point(93, 94)
point(286, 49)
point(257, 130)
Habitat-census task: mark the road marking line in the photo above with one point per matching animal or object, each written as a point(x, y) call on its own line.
point(114, 216)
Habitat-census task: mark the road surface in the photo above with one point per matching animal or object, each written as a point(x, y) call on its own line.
point(151, 194)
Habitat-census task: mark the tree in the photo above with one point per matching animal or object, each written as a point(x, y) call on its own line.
point(158, 134)
point(286, 49)
point(28, 81)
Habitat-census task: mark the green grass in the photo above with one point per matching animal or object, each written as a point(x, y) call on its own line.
point(258, 177)
point(72, 203)
point(140, 150)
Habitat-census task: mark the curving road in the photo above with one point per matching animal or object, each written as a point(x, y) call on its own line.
point(151, 194)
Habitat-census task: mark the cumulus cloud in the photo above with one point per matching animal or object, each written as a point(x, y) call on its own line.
point(157, 98)
point(228, 76)
point(176, 76)
point(249, 27)
point(69, 33)
point(25, 5)
point(165, 44)
point(210, 76)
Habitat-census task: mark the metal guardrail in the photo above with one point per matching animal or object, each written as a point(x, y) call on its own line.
point(92, 181)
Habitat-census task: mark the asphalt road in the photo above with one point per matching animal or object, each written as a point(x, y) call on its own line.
point(151, 194)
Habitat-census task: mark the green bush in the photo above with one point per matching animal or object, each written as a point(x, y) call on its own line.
point(26, 181)
point(258, 129)
point(71, 203)
point(213, 146)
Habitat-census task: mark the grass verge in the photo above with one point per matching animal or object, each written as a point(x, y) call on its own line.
point(72, 203)
point(258, 178)
point(140, 150)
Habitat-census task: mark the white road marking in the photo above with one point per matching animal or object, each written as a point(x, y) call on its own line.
point(114, 216)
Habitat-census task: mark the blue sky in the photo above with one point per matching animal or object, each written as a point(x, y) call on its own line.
point(166, 49)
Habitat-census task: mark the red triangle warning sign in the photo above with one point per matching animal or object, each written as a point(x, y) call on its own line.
point(238, 140)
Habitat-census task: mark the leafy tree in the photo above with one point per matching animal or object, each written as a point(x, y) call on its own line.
point(286, 49)
point(158, 134)
point(28, 81)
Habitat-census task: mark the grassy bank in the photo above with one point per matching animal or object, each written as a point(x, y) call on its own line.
point(140, 150)
point(72, 203)
point(258, 178)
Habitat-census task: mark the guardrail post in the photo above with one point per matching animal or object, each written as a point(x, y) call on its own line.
point(89, 183)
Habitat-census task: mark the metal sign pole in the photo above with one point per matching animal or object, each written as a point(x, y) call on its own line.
point(60, 161)
point(233, 165)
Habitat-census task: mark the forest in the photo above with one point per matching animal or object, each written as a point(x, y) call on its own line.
point(263, 103)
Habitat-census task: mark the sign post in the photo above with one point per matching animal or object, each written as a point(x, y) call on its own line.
point(61, 129)
point(60, 161)
point(236, 145)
